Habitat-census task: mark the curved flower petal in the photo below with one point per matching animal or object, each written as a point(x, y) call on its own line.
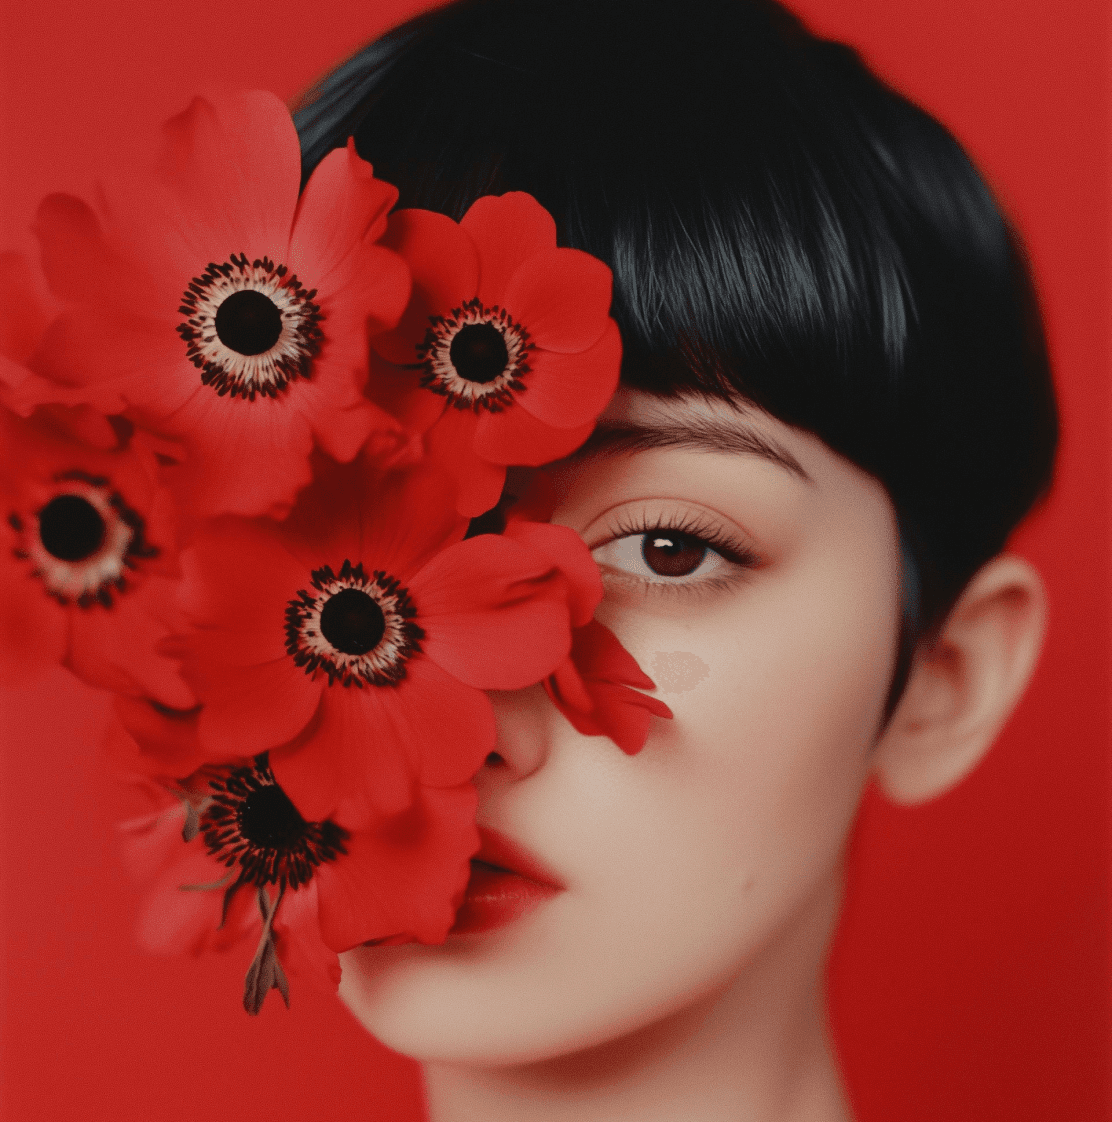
point(446, 726)
point(234, 161)
point(517, 437)
point(249, 457)
point(404, 878)
point(34, 630)
point(563, 547)
point(569, 390)
point(109, 360)
point(23, 313)
point(117, 648)
point(342, 204)
point(79, 264)
point(350, 752)
point(563, 299)
point(250, 709)
point(495, 614)
point(452, 442)
point(507, 230)
point(153, 741)
point(445, 267)
point(592, 690)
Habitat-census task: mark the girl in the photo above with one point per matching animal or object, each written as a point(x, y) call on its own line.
point(835, 407)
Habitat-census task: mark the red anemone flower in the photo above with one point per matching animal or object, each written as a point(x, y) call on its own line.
point(507, 353)
point(216, 307)
point(88, 559)
point(355, 640)
point(226, 856)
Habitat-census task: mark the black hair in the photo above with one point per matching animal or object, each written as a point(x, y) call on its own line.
point(781, 225)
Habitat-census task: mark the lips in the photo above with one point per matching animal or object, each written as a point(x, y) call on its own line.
point(506, 883)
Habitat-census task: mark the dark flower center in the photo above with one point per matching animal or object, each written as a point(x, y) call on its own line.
point(268, 819)
point(248, 322)
point(71, 528)
point(352, 622)
point(672, 554)
point(252, 823)
point(479, 353)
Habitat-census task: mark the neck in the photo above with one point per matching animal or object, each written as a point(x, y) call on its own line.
point(757, 1049)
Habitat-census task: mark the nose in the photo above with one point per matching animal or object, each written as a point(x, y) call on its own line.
point(524, 719)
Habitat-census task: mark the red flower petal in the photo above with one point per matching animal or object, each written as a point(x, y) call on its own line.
point(445, 267)
point(447, 728)
point(563, 547)
point(404, 878)
point(517, 437)
point(79, 264)
point(108, 359)
point(251, 709)
point(34, 630)
point(150, 741)
point(350, 752)
point(562, 298)
point(248, 457)
point(507, 230)
point(342, 204)
point(592, 690)
point(116, 648)
point(495, 614)
point(238, 579)
point(452, 443)
point(234, 160)
point(23, 314)
point(570, 390)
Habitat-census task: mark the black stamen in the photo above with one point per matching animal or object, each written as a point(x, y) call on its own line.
point(352, 622)
point(248, 322)
point(71, 528)
point(267, 818)
point(252, 823)
point(479, 353)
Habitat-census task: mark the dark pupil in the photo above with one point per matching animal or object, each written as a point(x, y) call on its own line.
point(248, 322)
point(267, 819)
point(70, 528)
point(352, 622)
point(479, 353)
point(673, 555)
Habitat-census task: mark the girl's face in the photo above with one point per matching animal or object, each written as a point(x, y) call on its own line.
point(754, 574)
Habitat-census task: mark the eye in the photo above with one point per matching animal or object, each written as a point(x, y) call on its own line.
point(661, 555)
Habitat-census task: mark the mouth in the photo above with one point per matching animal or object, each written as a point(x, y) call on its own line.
point(506, 883)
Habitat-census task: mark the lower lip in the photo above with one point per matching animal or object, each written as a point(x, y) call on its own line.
point(496, 897)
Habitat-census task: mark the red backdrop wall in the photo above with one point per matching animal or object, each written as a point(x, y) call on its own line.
point(970, 979)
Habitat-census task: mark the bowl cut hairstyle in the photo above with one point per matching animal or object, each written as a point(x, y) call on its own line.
point(784, 230)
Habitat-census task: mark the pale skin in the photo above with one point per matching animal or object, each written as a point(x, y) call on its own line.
point(678, 977)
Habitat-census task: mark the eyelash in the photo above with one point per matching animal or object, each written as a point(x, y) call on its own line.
point(730, 549)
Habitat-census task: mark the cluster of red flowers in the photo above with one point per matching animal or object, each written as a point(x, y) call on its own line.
point(225, 506)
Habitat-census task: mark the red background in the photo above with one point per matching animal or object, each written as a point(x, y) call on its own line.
point(970, 980)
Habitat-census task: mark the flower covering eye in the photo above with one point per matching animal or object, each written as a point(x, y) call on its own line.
point(303, 680)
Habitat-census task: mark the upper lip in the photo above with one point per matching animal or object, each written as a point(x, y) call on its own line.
point(503, 853)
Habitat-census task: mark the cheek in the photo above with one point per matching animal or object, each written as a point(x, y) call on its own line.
point(777, 702)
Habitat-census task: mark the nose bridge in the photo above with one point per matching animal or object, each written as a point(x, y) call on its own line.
point(524, 720)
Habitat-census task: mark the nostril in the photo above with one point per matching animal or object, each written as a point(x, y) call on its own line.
point(495, 760)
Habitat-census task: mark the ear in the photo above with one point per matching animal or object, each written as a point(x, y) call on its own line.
point(964, 686)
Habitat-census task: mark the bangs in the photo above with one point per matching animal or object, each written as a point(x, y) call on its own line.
point(781, 226)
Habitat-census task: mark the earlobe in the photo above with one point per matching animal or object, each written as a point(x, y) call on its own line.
point(964, 686)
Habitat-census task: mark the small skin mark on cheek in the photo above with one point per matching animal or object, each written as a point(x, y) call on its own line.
point(677, 671)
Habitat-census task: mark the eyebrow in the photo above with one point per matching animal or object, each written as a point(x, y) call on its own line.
point(701, 434)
